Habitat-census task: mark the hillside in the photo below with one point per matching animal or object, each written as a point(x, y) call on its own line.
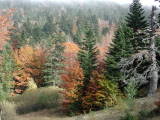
point(85, 60)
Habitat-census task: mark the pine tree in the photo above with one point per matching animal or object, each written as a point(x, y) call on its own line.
point(77, 38)
point(37, 34)
point(49, 27)
point(87, 58)
point(136, 18)
point(54, 64)
point(6, 72)
point(120, 48)
point(143, 66)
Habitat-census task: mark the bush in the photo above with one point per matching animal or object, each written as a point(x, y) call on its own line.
point(131, 89)
point(129, 116)
point(142, 115)
point(7, 111)
point(37, 99)
point(101, 93)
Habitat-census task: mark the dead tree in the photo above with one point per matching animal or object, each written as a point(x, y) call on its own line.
point(149, 73)
point(154, 65)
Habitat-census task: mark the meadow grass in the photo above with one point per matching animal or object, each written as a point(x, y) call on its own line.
point(37, 99)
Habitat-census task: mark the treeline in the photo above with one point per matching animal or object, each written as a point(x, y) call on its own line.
point(35, 20)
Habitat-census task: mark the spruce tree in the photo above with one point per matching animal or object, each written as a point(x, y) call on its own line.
point(49, 27)
point(136, 18)
point(54, 63)
point(87, 58)
point(77, 38)
point(6, 72)
point(37, 34)
point(120, 48)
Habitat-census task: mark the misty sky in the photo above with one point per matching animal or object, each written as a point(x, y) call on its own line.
point(144, 2)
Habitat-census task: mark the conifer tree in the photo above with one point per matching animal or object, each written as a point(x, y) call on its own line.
point(136, 18)
point(120, 48)
point(37, 34)
point(77, 38)
point(87, 58)
point(54, 64)
point(49, 27)
point(6, 72)
point(146, 69)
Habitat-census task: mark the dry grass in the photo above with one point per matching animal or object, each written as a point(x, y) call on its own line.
point(31, 101)
point(37, 99)
point(108, 114)
point(7, 111)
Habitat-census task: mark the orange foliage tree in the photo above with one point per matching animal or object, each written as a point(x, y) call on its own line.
point(30, 62)
point(100, 93)
point(5, 26)
point(73, 74)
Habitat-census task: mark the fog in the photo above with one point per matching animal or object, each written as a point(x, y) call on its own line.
point(144, 2)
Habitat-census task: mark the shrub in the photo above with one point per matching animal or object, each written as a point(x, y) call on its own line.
point(129, 116)
point(100, 94)
point(131, 89)
point(7, 111)
point(142, 115)
point(37, 99)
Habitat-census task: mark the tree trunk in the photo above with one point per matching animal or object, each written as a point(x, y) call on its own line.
point(154, 72)
point(154, 68)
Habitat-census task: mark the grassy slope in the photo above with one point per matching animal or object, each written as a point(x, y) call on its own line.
point(107, 114)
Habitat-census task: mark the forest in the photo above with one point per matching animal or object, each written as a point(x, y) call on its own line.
point(91, 60)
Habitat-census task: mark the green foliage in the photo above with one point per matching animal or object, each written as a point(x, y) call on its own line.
point(136, 18)
point(35, 22)
point(120, 48)
point(54, 64)
point(77, 38)
point(65, 24)
point(37, 99)
point(7, 111)
point(36, 34)
point(129, 116)
point(100, 93)
point(142, 115)
point(49, 27)
point(131, 89)
point(87, 57)
point(6, 72)
point(112, 92)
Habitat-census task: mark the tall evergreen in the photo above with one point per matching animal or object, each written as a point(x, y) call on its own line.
point(136, 18)
point(120, 48)
point(49, 27)
point(37, 34)
point(87, 57)
point(54, 64)
point(6, 72)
